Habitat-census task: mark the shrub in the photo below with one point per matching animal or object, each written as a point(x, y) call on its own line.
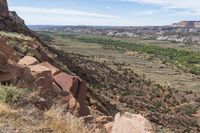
point(11, 95)
point(186, 60)
point(187, 109)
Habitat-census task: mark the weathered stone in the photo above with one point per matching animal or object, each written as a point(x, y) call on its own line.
point(53, 69)
point(27, 61)
point(77, 87)
point(40, 78)
point(66, 82)
point(131, 123)
point(71, 104)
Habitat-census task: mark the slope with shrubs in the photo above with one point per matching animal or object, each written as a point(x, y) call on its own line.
point(25, 118)
point(126, 91)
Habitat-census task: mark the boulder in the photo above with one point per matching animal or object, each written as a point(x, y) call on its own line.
point(77, 87)
point(53, 69)
point(131, 123)
point(40, 79)
point(66, 82)
point(71, 104)
point(27, 61)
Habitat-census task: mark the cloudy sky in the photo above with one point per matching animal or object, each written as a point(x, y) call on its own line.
point(106, 12)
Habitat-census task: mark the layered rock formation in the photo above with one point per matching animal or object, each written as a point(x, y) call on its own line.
point(187, 24)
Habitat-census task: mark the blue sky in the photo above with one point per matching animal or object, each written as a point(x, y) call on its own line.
point(106, 12)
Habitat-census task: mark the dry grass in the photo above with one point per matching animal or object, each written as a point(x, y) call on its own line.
point(15, 35)
point(6, 111)
point(60, 122)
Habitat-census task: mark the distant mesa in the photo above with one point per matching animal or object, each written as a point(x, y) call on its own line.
point(4, 8)
point(187, 24)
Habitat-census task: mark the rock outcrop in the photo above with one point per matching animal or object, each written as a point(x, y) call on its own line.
point(51, 82)
point(77, 87)
point(28, 61)
point(10, 21)
point(131, 123)
point(4, 8)
point(187, 24)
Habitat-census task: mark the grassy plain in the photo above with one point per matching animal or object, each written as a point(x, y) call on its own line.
point(168, 66)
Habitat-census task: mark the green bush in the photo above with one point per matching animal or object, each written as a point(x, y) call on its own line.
point(12, 95)
point(186, 60)
point(187, 109)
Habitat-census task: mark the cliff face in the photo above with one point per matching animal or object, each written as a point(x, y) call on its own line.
point(4, 8)
point(11, 22)
point(187, 24)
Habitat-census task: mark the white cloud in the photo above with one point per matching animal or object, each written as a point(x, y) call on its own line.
point(184, 7)
point(59, 11)
point(184, 4)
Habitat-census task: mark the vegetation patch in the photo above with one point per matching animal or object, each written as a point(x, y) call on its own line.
point(12, 95)
point(186, 60)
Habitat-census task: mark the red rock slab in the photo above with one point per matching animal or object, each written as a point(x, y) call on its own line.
point(53, 69)
point(28, 61)
point(77, 87)
point(71, 104)
point(67, 82)
point(81, 98)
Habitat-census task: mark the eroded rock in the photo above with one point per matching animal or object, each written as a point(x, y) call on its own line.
point(53, 69)
point(27, 61)
point(131, 123)
point(77, 87)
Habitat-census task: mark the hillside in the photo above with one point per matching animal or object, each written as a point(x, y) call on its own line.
point(57, 82)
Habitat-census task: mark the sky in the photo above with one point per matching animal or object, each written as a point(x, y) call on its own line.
point(106, 12)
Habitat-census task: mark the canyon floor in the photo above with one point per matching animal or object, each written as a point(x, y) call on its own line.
point(141, 63)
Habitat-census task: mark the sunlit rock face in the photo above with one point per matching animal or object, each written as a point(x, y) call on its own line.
point(4, 8)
